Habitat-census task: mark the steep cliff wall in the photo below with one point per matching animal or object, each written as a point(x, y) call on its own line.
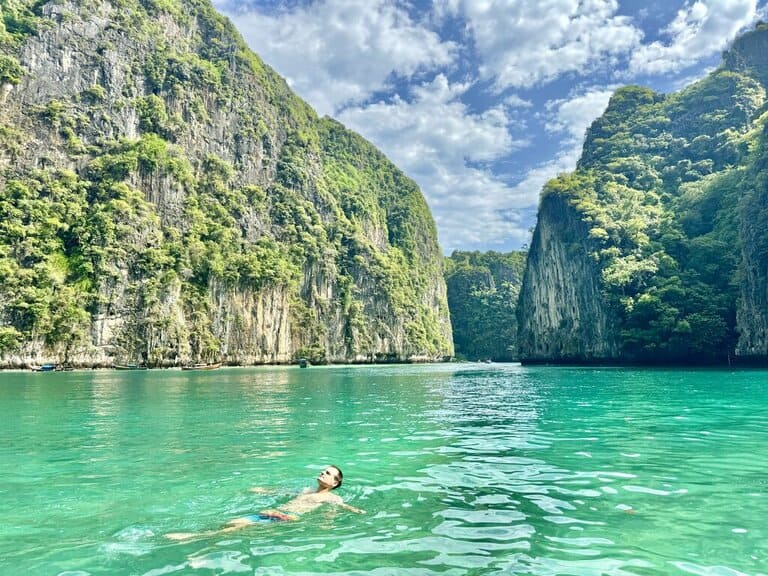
point(654, 249)
point(166, 198)
point(562, 314)
point(752, 313)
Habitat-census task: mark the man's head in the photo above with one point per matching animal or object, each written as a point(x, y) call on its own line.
point(331, 477)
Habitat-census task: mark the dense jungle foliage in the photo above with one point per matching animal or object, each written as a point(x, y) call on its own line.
point(482, 297)
point(665, 184)
point(79, 230)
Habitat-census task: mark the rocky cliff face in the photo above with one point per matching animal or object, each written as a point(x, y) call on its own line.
point(655, 250)
point(165, 198)
point(562, 313)
point(752, 313)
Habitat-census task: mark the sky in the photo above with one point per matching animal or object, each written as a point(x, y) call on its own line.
point(482, 101)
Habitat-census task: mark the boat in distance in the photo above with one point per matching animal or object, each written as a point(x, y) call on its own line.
point(129, 367)
point(208, 366)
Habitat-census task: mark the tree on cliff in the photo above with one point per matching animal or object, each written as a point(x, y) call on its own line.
point(482, 297)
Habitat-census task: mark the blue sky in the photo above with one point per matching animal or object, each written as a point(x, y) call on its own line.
point(482, 101)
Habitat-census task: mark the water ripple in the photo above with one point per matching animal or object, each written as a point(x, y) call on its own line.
point(463, 471)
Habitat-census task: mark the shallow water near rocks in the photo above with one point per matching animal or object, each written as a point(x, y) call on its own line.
point(462, 469)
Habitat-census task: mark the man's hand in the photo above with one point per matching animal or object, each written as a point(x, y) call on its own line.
point(353, 509)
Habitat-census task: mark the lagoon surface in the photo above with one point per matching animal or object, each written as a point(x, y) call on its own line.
point(463, 469)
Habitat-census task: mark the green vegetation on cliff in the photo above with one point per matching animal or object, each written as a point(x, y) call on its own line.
point(667, 186)
point(171, 187)
point(482, 296)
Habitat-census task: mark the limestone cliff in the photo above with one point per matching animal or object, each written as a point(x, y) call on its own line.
point(655, 250)
point(563, 314)
point(752, 312)
point(165, 198)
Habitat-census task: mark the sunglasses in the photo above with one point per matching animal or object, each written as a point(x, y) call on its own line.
point(329, 473)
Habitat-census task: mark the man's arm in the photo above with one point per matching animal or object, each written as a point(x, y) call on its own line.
point(352, 508)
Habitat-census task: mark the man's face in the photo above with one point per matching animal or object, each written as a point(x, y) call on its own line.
point(329, 477)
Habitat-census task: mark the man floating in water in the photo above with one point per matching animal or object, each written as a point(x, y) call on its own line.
point(328, 480)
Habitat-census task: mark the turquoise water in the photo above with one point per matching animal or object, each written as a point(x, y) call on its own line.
point(462, 469)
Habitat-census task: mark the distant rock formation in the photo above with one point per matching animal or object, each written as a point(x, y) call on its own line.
point(483, 290)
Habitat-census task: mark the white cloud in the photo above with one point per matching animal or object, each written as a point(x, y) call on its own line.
point(524, 43)
point(529, 188)
point(334, 52)
point(515, 101)
point(437, 141)
point(491, 212)
point(700, 29)
point(574, 115)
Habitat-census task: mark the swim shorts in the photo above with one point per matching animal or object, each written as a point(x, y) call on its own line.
point(271, 516)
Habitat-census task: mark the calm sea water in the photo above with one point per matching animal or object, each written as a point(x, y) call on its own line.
point(462, 469)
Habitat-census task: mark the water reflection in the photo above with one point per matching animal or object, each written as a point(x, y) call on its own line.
point(463, 470)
